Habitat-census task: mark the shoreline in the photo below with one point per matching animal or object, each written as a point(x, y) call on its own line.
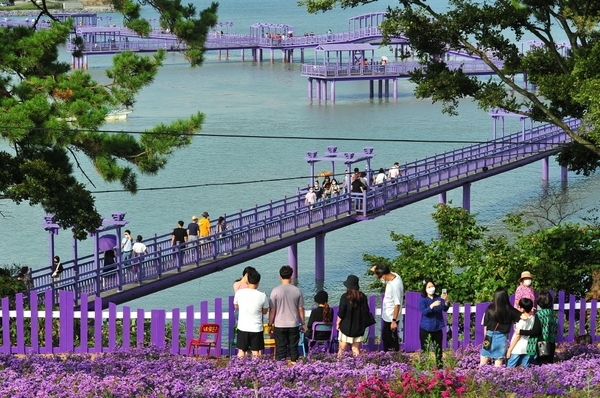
point(90, 9)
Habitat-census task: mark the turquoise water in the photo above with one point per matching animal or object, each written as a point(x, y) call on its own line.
point(249, 100)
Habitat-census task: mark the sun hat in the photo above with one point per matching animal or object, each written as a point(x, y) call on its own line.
point(194, 218)
point(352, 282)
point(205, 214)
point(321, 297)
point(525, 275)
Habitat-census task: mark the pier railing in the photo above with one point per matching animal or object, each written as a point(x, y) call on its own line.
point(32, 326)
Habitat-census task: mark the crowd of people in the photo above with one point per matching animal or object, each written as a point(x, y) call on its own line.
point(331, 188)
point(286, 315)
point(534, 322)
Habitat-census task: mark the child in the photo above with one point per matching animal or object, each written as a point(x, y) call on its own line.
point(517, 351)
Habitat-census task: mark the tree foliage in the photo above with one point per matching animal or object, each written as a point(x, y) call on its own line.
point(471, 263)
point(563, 64)
point(50, 116)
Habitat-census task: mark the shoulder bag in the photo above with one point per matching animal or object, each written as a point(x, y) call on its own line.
point(543, 348)
point(487, 340)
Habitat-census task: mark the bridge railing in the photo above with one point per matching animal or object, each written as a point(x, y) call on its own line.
point(31, 325)
point(277, 218)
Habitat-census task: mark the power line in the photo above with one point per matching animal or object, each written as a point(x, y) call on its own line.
point(270, 137)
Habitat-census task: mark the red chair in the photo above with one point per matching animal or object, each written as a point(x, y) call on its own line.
point(209, 337)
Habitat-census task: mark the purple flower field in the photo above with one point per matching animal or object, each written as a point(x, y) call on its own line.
point(150, 372)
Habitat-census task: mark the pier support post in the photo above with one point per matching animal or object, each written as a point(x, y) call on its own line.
point(333, 91)
point(293, 259)
point(467, 196)
point(395, 88)
point(380, 87)
point(545, 168)
point(563, 174)
point(442, 198)
point(371, 89)
point(387, 88)
point(310, 89)
point(320, 257)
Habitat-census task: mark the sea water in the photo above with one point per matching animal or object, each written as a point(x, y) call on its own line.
point(259, 125)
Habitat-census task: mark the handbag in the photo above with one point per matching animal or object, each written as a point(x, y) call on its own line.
point(543, 348)
point(487, 340)
point(367, 318)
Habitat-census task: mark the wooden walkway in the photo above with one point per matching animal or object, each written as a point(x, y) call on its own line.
point(276, 225)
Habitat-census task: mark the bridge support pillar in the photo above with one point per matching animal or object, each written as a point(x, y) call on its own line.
point(301, 55)
point(395, 88)
point(242, 54)
point(442, 198)
point(324, 90)
point(293, 259)
point(320, 257)
point(333, 91)
point(387, 88)
point(371, 89)
point(467, 197)
point(310, 89)
point(545, 168)
point(380, 87)
point(563, 174)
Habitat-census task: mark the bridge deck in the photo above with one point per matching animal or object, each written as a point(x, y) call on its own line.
point(264, 229)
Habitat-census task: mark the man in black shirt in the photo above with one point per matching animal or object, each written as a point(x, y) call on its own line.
point(179, 234)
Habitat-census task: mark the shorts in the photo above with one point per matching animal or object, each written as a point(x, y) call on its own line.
point(342, 338)
point(254, 340)
point(498, 349)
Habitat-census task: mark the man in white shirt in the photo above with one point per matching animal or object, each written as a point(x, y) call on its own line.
point(391, 307)
point(126, 246)
point(394, 172)
point(251, 305)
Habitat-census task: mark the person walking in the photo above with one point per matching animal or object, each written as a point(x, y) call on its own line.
point(431, 306)
point(204, 225)
point(391, 306)
point(351, 314)
point(251, 305)
point(193, 230)
point(179, 235)
point(286, 314)
point(138, 250)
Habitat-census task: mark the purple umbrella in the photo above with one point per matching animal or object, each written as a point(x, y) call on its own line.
point(107, 242)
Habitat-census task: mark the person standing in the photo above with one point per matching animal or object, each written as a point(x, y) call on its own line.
point(193, 230)
point(497, 320)
point(432, 320)
point(251, 305)
point(287, 312)
point(242, 283)
point(351, 314)
point(179, 235)
point(391, 307)
point(311, 198)
point(57, 268)
point(126, 246)
point(545, 326)
point(524, 290)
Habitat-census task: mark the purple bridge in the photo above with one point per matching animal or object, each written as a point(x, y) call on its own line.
point(284, 223)
point(262, 38)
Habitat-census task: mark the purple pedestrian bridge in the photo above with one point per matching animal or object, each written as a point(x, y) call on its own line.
point(286, 222)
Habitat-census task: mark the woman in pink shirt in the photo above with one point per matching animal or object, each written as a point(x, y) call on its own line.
point(242, 283)
point(524, 289)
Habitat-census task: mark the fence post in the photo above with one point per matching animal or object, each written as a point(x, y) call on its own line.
point(48, 303)
point(126, 327)
point(157, 328)
point(112, 327)
point(140, 322)
point(33, 304)
point(20, 325)
point(97, 325)
point(175, 347)
point(412, 315)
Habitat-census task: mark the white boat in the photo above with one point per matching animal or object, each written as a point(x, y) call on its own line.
point(118, 114)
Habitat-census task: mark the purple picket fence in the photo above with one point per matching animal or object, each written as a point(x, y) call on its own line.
point(64, 329)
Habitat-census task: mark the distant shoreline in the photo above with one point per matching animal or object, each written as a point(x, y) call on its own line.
point(92, 9)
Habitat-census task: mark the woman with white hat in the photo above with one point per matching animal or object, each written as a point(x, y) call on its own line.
point(524, 290)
